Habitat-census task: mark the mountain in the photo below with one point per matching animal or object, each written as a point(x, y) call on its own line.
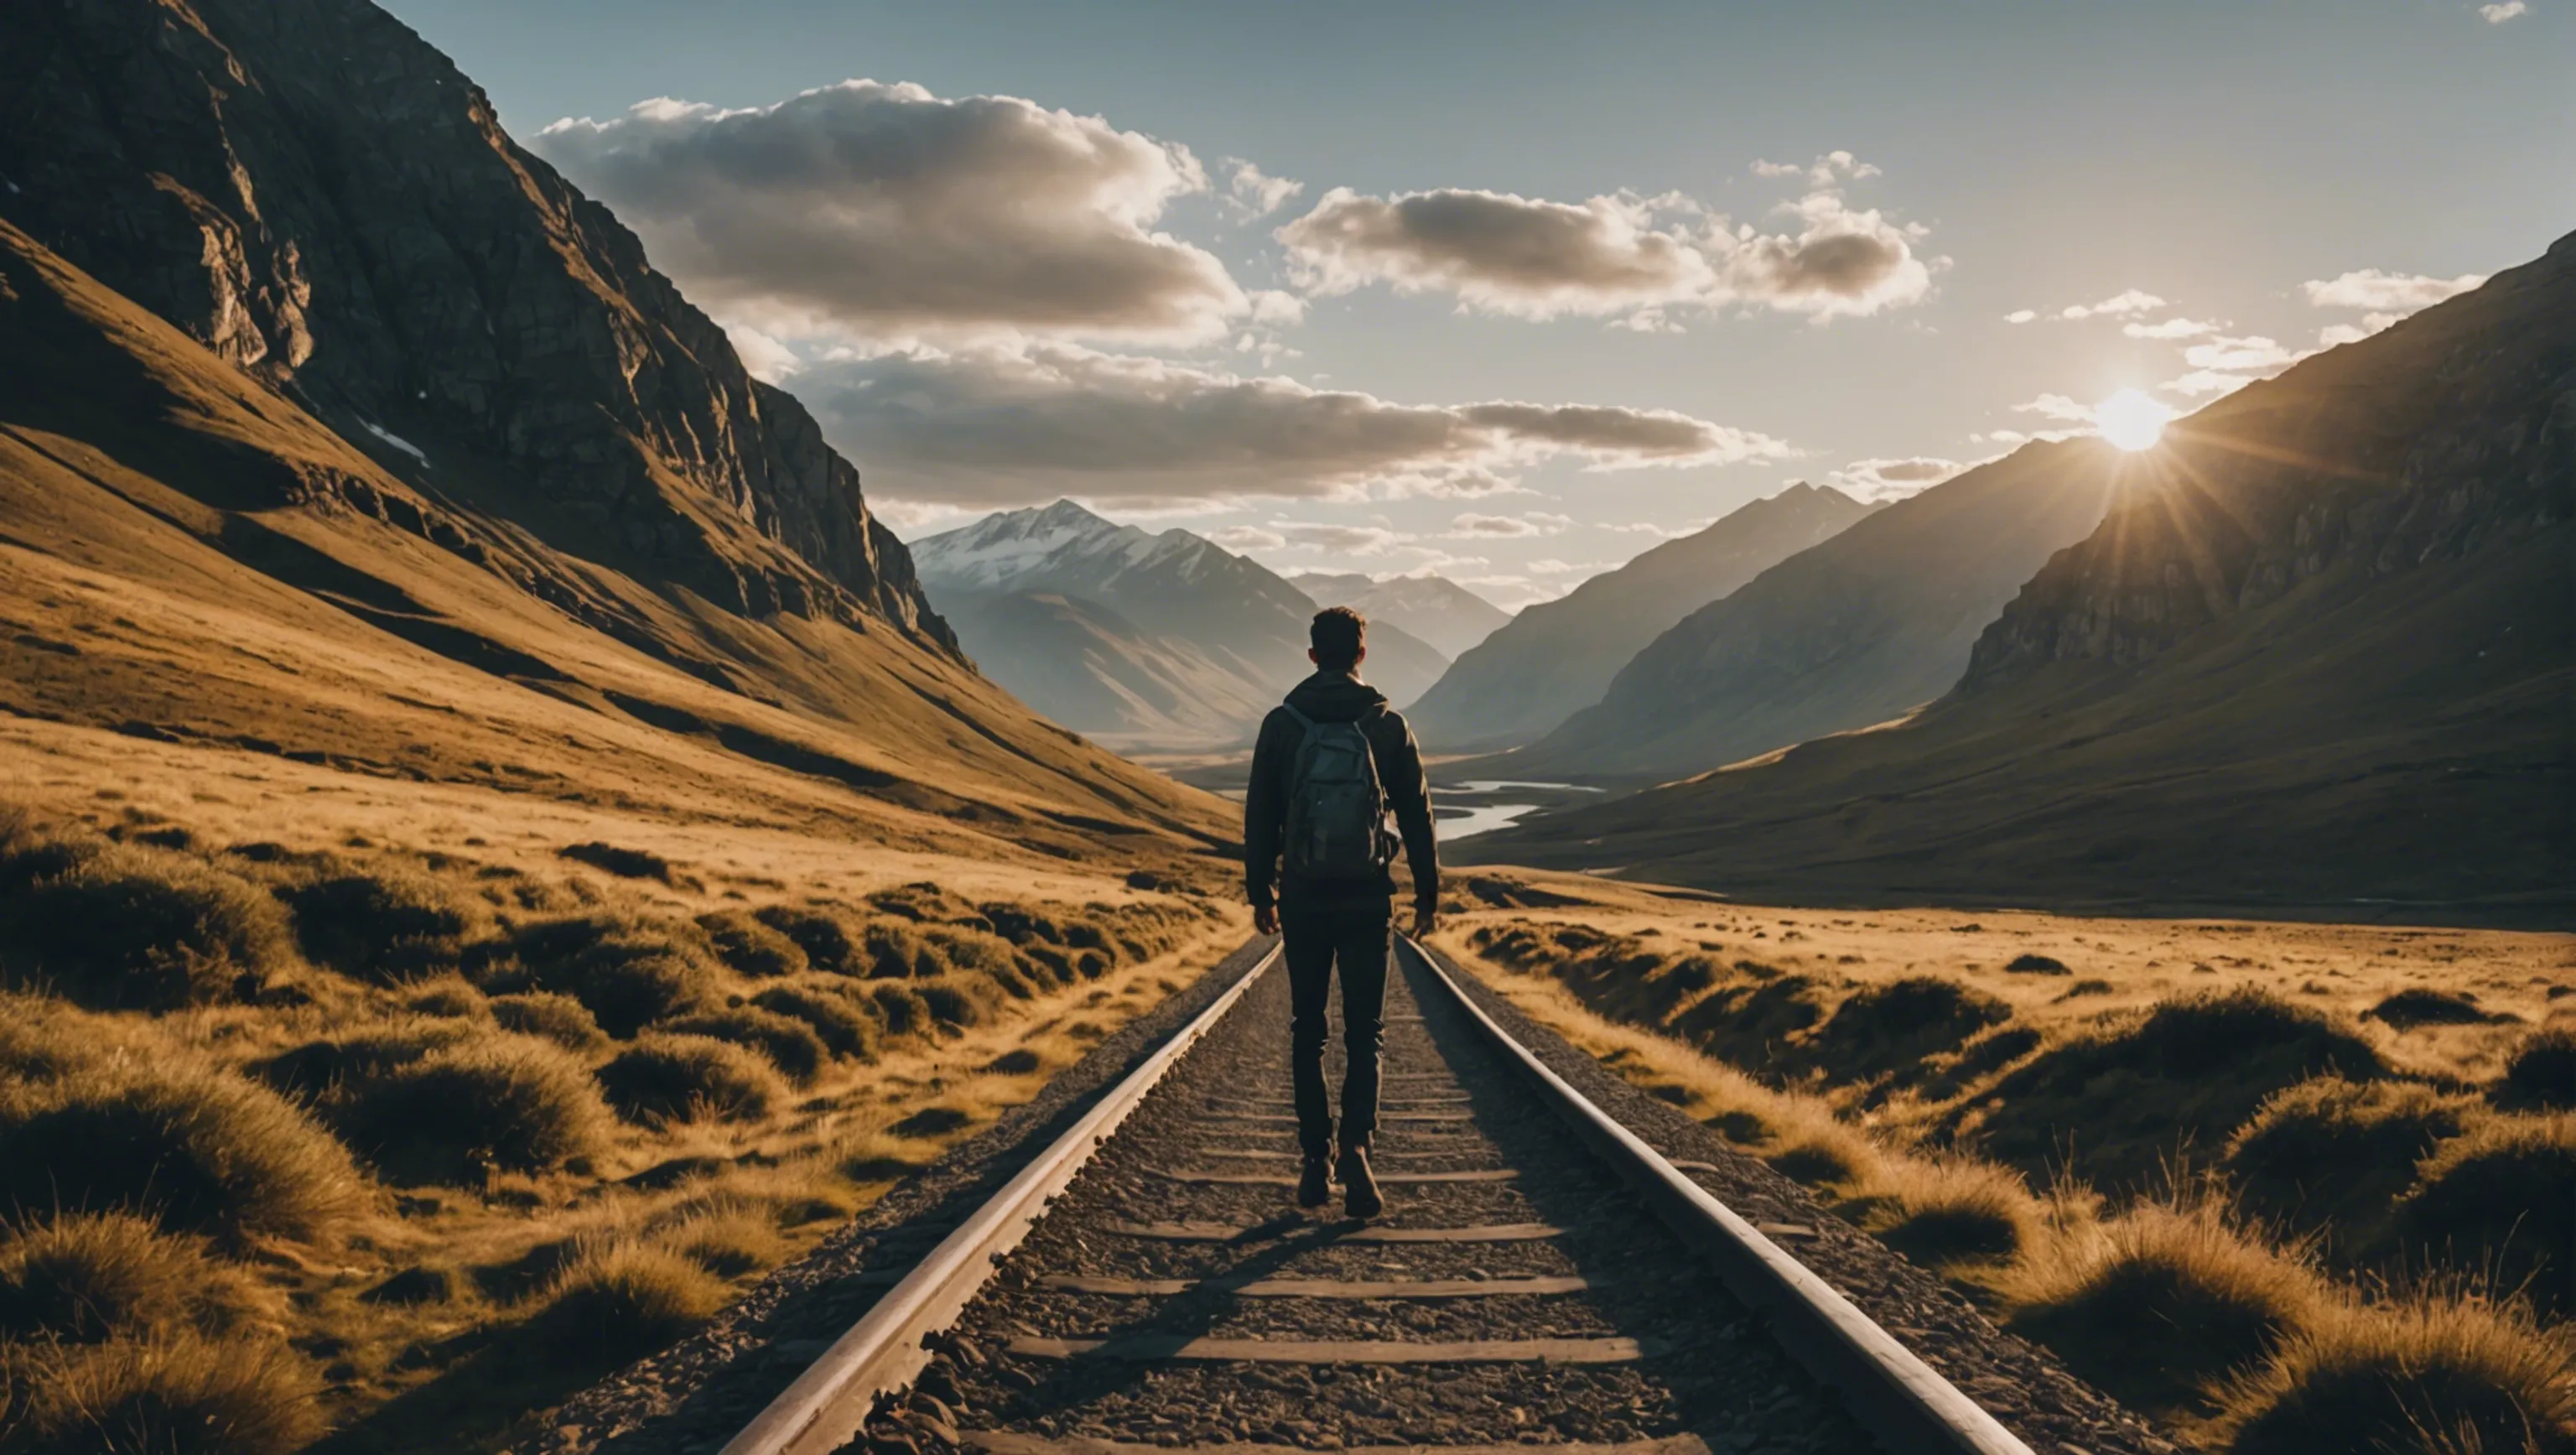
point(2320, 656)
point(1175, 641)
point(1868, 625)
point(1433, 608)
point(1558, 656)
point(397, 454)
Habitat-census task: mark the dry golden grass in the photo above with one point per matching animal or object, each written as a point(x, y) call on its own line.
point(398, 1148)
point(2239, 1328)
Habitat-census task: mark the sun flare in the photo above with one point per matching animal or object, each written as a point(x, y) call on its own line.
point(2130, 420)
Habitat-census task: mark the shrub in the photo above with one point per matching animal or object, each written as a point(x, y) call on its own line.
point(665, 1078)
point(179, 1396)
point(624, 863)
point(905, 1012)
point(823, 935)
point(2157, 1305)
point(559, 1018)
point(2408, 1009)
point(959, 1000)
point(1883, 1027)
point(1946, 1213)
point(512, 1103)
point(846, 1023)
point(2447, 1376)
point(130, 927)
point(2185, 1075)
point(316, 1068)
point(2503, 1195)
point(194, 1148)
point(2333, 1155)
point(2037, 965)
point(894, 950)
point(387, 925)
point(788, 1043)
point(2542, 1074)
point(752, 948)
point(619, 1302)
point(626, 973)
point(84, 1277)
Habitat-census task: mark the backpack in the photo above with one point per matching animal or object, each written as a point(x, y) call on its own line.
point(1336, 807)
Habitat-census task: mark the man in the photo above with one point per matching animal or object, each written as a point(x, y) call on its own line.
point(1330, 764)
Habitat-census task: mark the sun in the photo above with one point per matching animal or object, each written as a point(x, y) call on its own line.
point(2131, 420)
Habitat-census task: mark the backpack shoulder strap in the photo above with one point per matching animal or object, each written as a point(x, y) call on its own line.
point(1299, 718)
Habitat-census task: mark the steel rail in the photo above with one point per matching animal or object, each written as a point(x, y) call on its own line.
point(827, 1404)
point(1897, 1397)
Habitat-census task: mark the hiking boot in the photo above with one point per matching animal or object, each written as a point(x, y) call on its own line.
point(1315, 1184)
point(1360, 1197)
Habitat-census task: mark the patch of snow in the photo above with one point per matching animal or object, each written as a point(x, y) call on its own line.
point(395, 440)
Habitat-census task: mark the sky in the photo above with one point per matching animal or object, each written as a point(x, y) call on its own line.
point(1513, 292)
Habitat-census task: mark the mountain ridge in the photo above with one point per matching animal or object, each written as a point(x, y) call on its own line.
point(1430, 607)
point(1556, 657)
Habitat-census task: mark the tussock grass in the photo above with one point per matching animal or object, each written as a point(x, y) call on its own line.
point(1880, 1028)
point(2414, 1007)
point(450, 996)
point(726, 1240)
point(508, 1103)
point(133, 927)
point(2542, 1074)
point(162, 1396)
point(559, 1018)
point(673, 1078)
point(788, 1043)
point(2332, 1155)
point(749, 947)
point(627, 972)
point(2502, 1196)
point(2186, 1074)
point(2439, 1376)
point(2162, 1304)
point(194, 1148)
point(848, 1023)
point(86, 1277)
point(316, 1069)
point(830, 941)
point(388, 923)
point(1952, 1214)
point(618, 1300)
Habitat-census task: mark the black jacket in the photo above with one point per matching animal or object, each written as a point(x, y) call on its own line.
point(1336, 697)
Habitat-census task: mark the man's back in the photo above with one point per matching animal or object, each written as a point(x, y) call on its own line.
point(1336, 697)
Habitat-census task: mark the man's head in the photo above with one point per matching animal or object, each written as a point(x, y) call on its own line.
point(1339, 637)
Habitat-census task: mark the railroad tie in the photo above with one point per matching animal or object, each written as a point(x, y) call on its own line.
point(1157, 1348)
point(1276, 1179)
point(1187, 1232)
point(1011, 1442)
point(1322, 1287)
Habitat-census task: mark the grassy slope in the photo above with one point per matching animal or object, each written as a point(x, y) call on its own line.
point(159, 572)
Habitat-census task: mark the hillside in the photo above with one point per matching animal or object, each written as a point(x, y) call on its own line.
point(1141, 639)
point(1860, 629)
point(399, 457)
point(1433, 608)
point(2320, 658)
point(1558, 656)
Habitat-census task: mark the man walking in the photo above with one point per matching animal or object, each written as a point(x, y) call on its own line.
point(1331, 763)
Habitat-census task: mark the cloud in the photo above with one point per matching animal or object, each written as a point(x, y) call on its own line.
point(2171, 328)
point(1624, 255)
point(2021, 315)
point(886, 210)
point(1535, 523)
point(1824, 171)
point(1893, 479)
point(763, 357)
point(1252, 193)
point(1247, 538)
point(2346, 333)
point(1661, 532)
point(1350, 540)
point(2499, 14)
point(2249, 354)
point(2399, 293)
point(1005, 427)
point(2057, 406)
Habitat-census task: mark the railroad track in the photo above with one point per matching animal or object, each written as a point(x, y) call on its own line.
point(1539, 1276)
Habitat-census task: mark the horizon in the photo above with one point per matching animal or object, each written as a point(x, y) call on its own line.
point(1291, 327)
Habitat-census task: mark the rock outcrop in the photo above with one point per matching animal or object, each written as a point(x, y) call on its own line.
point(323, 199)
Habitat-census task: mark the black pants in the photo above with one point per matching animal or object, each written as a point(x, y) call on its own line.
point(1321, 935)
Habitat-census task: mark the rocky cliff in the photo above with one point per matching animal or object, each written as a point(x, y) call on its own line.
point(2450, 433)
point(319, 196)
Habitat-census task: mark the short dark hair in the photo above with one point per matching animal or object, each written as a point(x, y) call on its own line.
point(1337, 636)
